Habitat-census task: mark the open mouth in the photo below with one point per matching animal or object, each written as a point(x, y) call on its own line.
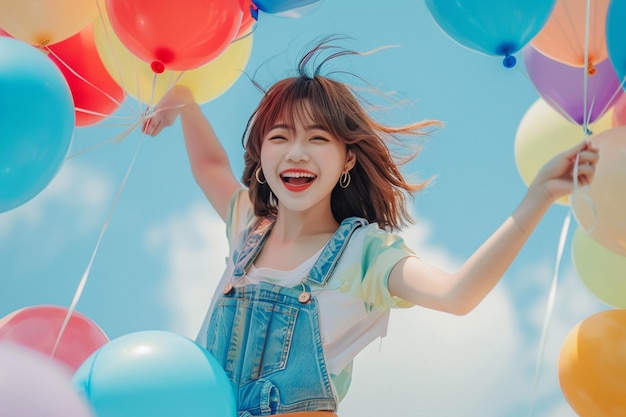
point(297, 179)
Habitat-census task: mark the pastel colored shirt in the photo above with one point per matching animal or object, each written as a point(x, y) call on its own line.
point(354, 306)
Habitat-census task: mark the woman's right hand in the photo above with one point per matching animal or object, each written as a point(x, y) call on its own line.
point(167, 110)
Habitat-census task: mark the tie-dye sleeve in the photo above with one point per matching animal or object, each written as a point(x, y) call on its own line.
point(382, 250)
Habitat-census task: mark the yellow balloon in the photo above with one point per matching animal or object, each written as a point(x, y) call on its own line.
point(139, 80)
point(544, 133)
point(601, 270)
point(592, 365)
point(601, 208)
point(45, 22)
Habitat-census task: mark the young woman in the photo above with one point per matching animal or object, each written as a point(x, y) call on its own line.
point(314, 265)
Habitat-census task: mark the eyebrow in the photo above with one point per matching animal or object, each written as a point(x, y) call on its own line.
point(289, 127)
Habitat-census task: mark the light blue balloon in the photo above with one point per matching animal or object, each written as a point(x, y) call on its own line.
point(36, 122)
point(155, 374)
point(493, 27)
point(615, 27)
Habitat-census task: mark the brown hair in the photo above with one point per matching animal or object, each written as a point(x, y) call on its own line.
point(378, 190)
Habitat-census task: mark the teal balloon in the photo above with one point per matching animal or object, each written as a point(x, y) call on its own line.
point(36, 122)
point(155, 374)
point(615, 28)
point(493, 27)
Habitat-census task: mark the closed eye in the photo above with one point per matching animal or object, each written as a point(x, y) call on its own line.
point(319, 139)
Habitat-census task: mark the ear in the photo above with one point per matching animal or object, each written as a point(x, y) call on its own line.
point(350, 160)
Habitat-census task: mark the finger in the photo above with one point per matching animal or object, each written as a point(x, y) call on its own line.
point(156, 127)
point(589, 156)
point(586, 173)
point(146, 125)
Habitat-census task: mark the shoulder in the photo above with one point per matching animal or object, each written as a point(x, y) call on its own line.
point(371, 245)
point(375, 240)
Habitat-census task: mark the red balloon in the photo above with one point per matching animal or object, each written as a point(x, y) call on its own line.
point(38, 328)
point(250, 15)
point(178, 35)
point(92, 86)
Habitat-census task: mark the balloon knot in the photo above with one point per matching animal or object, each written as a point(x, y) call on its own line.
point(591, 70)
point(254, 11)
point(157, 67)
point(509, 61)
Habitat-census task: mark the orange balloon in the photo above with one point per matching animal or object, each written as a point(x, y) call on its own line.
point(592, 365)
point(44, 22)
point(38, 328)
point(562, 38)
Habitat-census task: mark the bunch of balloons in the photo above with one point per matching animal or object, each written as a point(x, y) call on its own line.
point(72, 63)
point(53, 366)
point(575, 57)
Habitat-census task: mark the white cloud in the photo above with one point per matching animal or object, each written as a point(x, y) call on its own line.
point(196, 251)
point(81, 191)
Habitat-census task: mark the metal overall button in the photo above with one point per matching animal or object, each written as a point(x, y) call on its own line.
point(304, 297)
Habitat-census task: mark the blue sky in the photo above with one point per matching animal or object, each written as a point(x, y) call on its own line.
point(164, 248)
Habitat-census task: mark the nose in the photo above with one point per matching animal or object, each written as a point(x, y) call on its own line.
point(297, 152)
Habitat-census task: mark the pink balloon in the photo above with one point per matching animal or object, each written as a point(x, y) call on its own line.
point(31, 385)
point(600, 208)
point(38, 328)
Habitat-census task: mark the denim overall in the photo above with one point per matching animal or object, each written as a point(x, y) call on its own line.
point(267, 337)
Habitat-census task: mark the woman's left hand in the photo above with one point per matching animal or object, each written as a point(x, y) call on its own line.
point(556, 177)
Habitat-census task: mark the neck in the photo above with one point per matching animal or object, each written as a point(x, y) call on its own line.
point(292, 225)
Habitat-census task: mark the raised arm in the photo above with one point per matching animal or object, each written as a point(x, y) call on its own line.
point(209, 163)
point(418, 282)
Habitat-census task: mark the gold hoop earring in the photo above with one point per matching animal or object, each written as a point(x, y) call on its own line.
point(256, 175)
point(345, 179)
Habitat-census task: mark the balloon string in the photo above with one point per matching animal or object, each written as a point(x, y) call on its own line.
point(120, 79)
point(80, 77)
point(617, 91)
point(586, 112)
point(83, 280)
point(549, 309)
point(245, 35)
point(108, 116)
point(115, 139)
point(109, 42)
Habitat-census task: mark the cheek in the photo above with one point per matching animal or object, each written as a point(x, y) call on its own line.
point(270, 159)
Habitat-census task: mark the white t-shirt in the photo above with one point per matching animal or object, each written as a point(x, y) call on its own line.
point(353, 306)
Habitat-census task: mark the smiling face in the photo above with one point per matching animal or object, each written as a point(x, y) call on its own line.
point(302, 162)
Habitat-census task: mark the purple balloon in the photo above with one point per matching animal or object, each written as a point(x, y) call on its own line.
point(32, 385)
point(562, 86)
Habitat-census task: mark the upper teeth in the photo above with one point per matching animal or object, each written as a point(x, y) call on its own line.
point(298, 175)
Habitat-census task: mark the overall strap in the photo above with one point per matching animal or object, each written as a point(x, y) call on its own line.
point(253, 243)
point(325, 265)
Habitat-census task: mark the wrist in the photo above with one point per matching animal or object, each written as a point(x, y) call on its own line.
point(531, 209)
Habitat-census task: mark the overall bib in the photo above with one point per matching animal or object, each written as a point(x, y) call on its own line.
point(267, 337)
